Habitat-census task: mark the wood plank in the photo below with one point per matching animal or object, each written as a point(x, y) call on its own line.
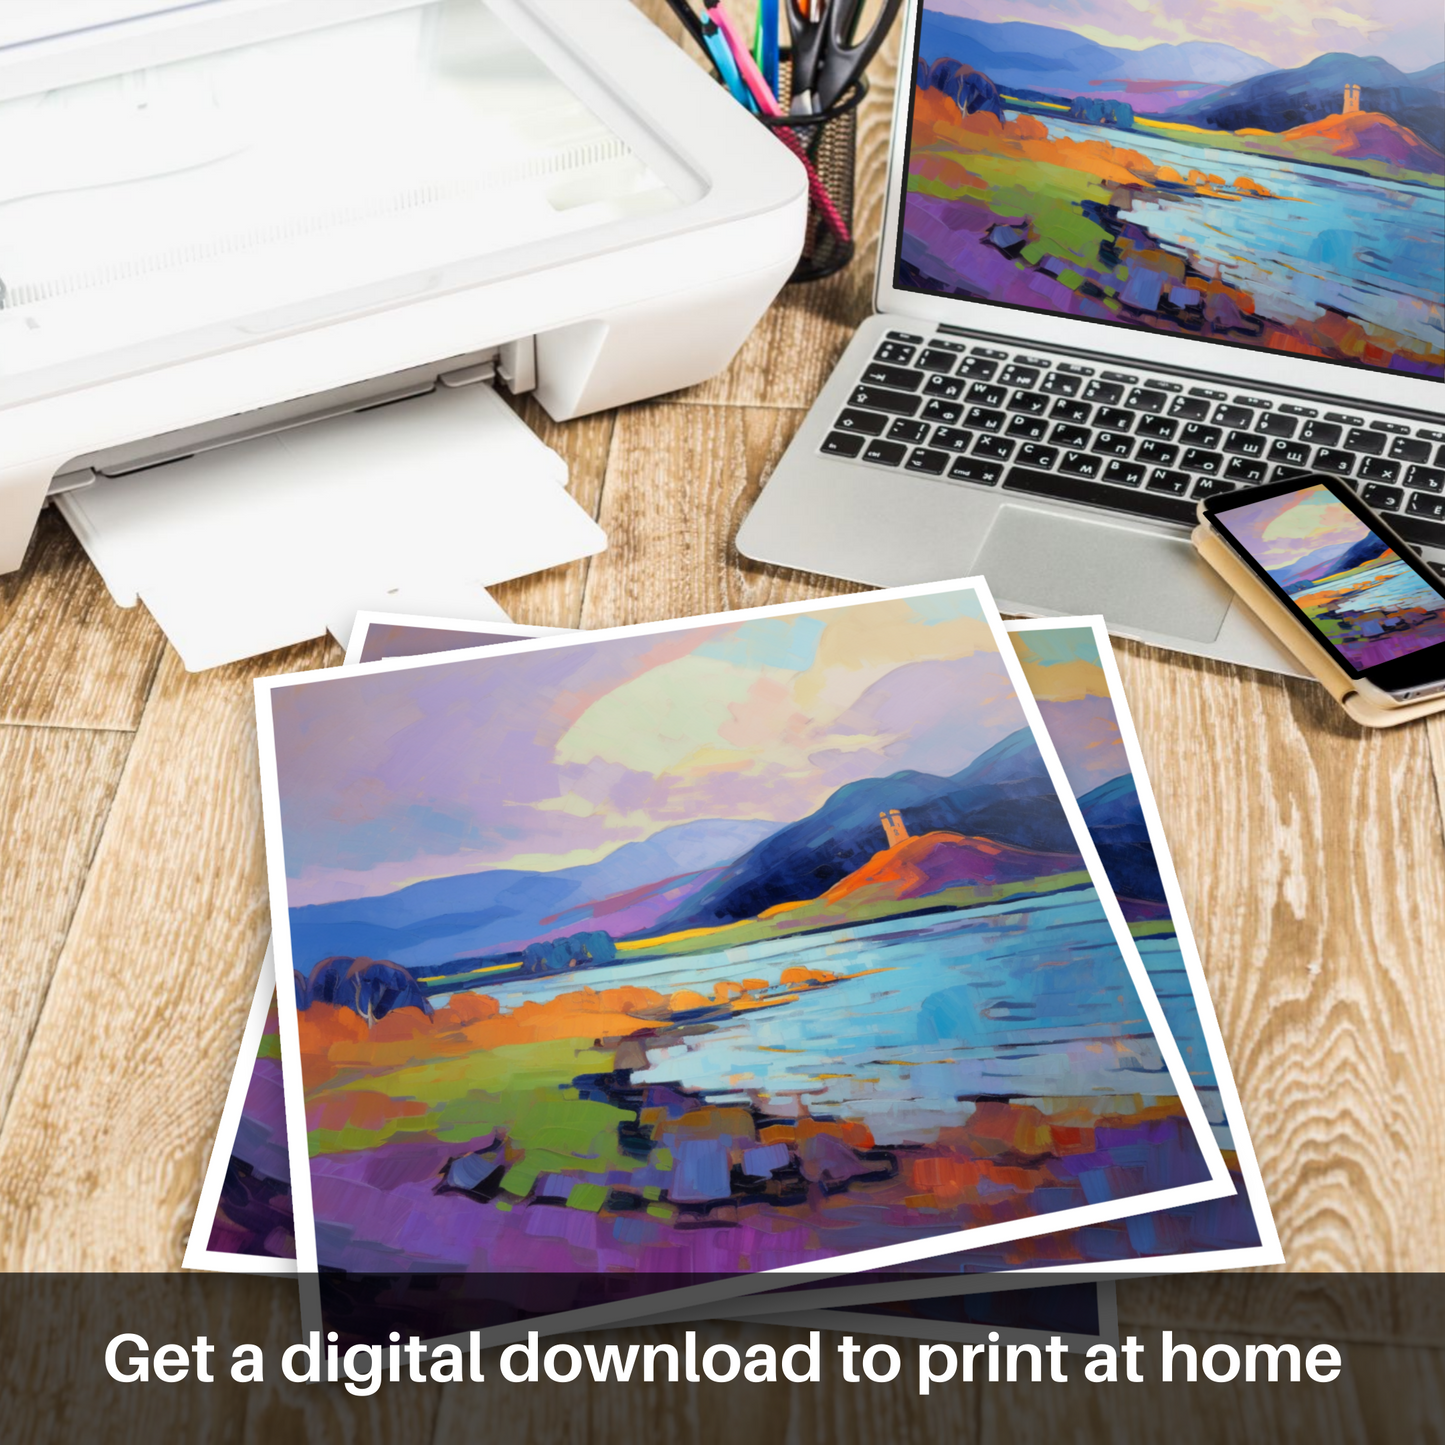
point(1314, 869)
point(116, 1106)
point(680, 481)
point(554, 598)
point(710, 1413)
point(1344, 1412)
point(70, 657)
point(56, 786)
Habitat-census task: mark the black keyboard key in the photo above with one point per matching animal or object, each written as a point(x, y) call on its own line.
point(877, 398)
point(1245, 469)
point(1143, 398)
point(877, 374)
point(1071, 436)
point(1210, 487)
point(994, 447)
point(1189, 408)
point(982, 394)
point(843, 444)
point(972, 469)
point(936, 409)
point(867, 422)
point(1112, 444)
point(1156, 454)
point(1030, 428)
point(1244, 444)
point(1422, 504)
point(1293, 410)
point(1163, 480)
point(1113, 418)
point(1015, 375)
point(1321, 433)
point(1292, 454)
point(935, 360)
point(954, 438)
point(1371, 443)
point(895, 353)
point(985, 351)
point(925, 459)
point(1161, 427)
point(1195, 435)
point(1099, 494)
point(1233, 416)
point(1377, 469)
point(1429, 434)
point(1035, 403)
point(1407, 449)
point(958, 347)
point(1289, 474)
point(1127, 377)
point(904, 336)
point(1058, 383)
point(977, 368)
point(1417, 530)
point(1199, 460)
point(1440, 457)
point(1075, 411)
point(1036, 456)
point(1425, 479)
point(1124, 474)
point(1381, 498)
point(1344, 418)
point(1272, 424)
point(982, 419)
point(948, 387)
point(1081, 464)
point(906, 430)
point(1331, 459)
point(1107, 392)
point(886, 454)
point(1208, 393)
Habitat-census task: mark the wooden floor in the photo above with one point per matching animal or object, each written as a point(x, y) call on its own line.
point(133, 902)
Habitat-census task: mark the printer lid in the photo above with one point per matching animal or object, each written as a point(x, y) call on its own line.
point(182, 178)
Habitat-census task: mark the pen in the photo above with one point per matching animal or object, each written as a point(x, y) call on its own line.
point(765, 42)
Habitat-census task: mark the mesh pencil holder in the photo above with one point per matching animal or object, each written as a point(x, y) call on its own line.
point(826, 143)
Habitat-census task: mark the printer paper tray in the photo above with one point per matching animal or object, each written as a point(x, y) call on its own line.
point(417, 506)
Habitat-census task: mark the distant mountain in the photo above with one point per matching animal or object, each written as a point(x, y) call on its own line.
point(1432, 78)
point(1115, 819)
point(1005, 795)
point(1284, 99)
point(1041, 60)
point(442, 918)
point(1193, 60)
point(1326, 561)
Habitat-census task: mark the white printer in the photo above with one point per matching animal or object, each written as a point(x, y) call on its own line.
point(223, 223)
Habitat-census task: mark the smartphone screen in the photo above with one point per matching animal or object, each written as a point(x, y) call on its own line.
point(1366, 597)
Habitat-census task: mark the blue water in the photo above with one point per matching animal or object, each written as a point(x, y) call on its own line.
point(1371, 247)
point(1029, 999)
point(1388, 587)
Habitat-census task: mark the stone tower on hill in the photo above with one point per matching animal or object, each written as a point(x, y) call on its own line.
point(894, 828)
point(1352, 100)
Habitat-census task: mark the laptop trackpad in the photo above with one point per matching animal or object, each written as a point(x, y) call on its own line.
point(1039, 559)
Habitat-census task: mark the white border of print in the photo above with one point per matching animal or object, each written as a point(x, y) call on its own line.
point(198, 1254)
point(1217, 1184)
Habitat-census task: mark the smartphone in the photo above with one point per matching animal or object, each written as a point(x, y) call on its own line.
point(1369, 601)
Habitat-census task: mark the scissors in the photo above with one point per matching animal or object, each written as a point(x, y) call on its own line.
point(827, 54)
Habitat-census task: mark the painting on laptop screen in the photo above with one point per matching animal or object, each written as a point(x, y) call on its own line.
point(1265, 174)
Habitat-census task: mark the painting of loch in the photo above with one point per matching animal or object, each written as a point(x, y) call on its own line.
point(1266, 173)
point(703, 951)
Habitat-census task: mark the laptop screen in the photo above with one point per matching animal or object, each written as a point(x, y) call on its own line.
point(1257, 173)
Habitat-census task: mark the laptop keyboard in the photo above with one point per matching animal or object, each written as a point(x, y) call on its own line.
point(1140, 444)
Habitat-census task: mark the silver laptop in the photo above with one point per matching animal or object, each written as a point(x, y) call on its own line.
point(1121, 270)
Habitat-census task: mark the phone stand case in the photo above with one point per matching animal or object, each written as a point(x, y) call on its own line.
point(1296, 638)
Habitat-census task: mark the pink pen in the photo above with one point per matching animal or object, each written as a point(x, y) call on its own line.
point(768, 105)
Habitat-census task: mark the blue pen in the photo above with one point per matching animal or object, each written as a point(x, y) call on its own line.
point(768, 28)
point(727, 67)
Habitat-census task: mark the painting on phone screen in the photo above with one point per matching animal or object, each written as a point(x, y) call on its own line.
point(1350, 584)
